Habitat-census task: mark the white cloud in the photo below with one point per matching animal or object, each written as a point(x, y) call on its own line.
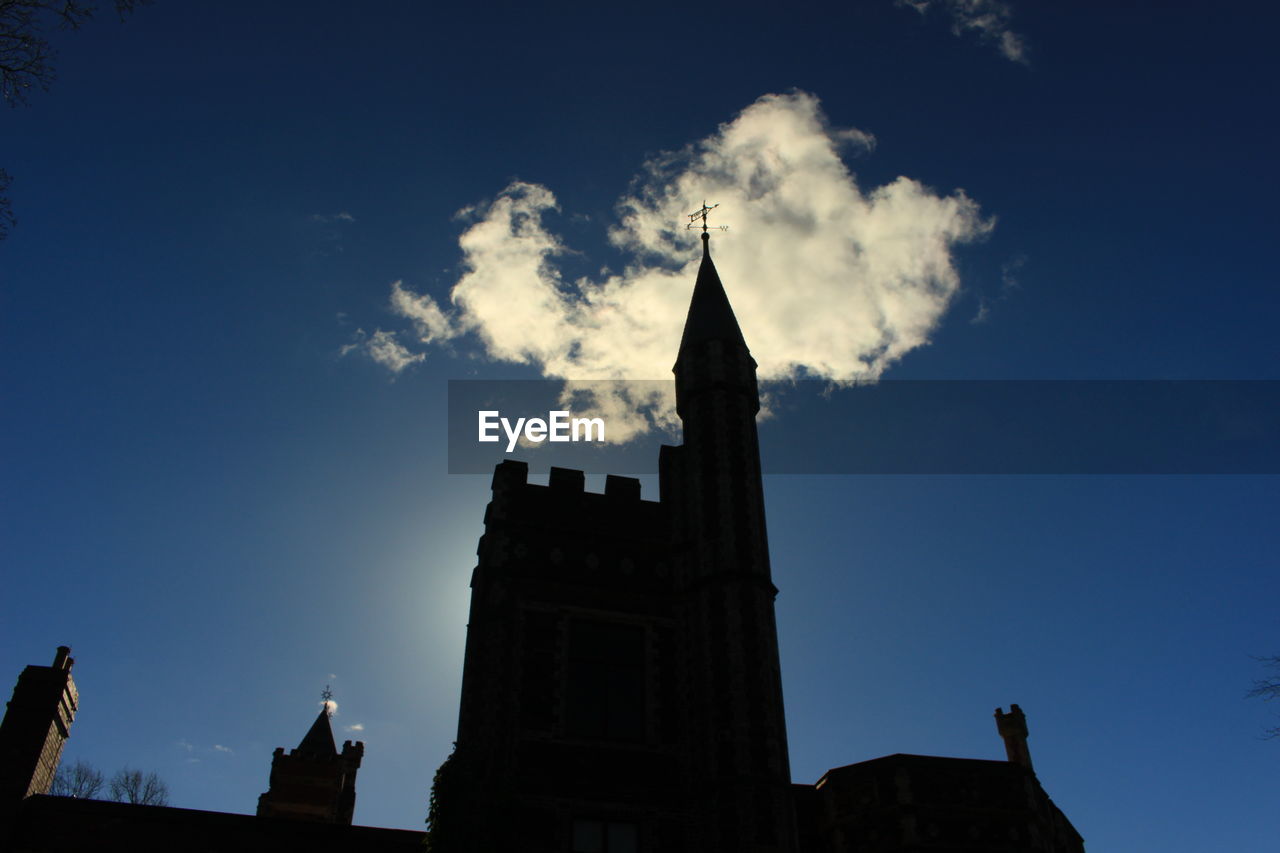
point(329, 705)
point(190, 748)
point(384, 348)
point(342, 216)
point(988, 18)
point(357, 727)
point(429, 322)
point(828, 280)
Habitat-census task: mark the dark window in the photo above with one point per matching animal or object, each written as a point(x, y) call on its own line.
point(605, 694)
point(598, 836)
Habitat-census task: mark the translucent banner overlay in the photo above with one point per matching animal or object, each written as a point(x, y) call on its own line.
point(891, 427)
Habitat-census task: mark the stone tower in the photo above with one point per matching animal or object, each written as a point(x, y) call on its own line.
point(737, 728)
point(621, 688)
point(36, 724)
point(314, 782)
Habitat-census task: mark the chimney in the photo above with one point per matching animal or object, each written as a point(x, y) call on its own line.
point(63, 659)
point(1013, 729)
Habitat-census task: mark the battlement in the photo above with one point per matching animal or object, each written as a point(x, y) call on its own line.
point(352, 754)
point(513, 474)
point(562, 531)
point(564, 506)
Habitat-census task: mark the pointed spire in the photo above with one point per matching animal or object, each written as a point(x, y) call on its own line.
point(710, 315)
point(319, 738)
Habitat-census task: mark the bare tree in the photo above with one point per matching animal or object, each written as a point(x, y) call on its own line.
point(81, 780)
point(1268, 688)
point(27, 57)
point(133, 786)
point(6, 210)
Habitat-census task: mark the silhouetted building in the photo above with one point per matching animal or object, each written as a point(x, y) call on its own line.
point(314, 781)
point(37, 722)
point(621, 687)
point(621, 690)
point(926, 803)
point(68, 825)
point(308, 808)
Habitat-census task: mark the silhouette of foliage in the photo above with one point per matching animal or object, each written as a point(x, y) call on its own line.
point(462, 818)
point(133, 786)
point(81, 780)
point(1268, 688)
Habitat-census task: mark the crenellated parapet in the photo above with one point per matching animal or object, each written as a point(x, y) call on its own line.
point(562, 532)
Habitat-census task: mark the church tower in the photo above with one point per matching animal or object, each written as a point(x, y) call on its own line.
point(713, 485)
point(621, 689)
point(314, 782)
point(36, 724)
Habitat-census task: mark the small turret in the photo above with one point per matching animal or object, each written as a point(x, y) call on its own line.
point(1013, 729)
point(315, 781)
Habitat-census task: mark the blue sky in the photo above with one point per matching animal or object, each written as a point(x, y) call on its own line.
point(222, 500)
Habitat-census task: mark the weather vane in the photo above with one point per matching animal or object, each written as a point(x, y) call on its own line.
point(702, 214)
point(326, 696)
